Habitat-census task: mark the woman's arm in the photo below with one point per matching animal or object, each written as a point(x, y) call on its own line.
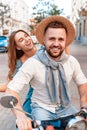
point(67, 50)
point(3, 87)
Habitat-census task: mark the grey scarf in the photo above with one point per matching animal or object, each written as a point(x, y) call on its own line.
point(56, 96)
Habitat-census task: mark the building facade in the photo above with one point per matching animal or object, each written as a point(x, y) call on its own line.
point(79, 18)
point(19, 15)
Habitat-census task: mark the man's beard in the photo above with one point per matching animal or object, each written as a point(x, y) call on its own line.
point(55, 56)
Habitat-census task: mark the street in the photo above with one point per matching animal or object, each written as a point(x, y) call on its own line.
point(7, 120)
point(3, 67)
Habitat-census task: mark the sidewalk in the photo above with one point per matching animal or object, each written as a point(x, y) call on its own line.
point(7, 119)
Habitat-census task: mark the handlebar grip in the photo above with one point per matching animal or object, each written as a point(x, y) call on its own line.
point(40, 128)
point(37, 126)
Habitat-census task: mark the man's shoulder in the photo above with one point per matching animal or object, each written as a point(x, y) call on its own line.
point(71, 57)
point(72, 60)
point(33, 60)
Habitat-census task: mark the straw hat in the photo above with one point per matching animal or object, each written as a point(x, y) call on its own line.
point(43, 24)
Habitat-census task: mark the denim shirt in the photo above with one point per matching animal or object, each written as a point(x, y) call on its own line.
point(18, 65)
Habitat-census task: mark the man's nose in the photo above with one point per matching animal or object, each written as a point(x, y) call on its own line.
point(56, 43)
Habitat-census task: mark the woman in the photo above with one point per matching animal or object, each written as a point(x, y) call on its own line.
point(20, 48)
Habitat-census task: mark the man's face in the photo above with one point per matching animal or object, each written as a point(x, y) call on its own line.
point(54, 40)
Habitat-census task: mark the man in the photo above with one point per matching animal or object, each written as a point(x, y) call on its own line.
point(50, 72)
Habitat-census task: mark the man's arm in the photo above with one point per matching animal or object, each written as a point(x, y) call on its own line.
point(83, 95)
point(23, 122)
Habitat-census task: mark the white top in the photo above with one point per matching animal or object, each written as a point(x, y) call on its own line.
point(33, 72)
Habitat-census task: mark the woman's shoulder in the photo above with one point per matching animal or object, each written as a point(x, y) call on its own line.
point(18, 63)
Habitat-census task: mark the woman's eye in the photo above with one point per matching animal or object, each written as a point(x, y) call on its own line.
point(20, 40)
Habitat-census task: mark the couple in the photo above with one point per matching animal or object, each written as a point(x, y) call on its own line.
point(49, 73)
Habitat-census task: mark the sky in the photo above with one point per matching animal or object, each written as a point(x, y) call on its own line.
point(62, 4)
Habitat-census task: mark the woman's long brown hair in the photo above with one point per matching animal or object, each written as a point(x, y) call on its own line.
point(13, 53)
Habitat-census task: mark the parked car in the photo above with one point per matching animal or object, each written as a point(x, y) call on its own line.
point(3, 43)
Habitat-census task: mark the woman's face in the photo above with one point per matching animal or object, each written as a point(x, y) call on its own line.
point(23, 41)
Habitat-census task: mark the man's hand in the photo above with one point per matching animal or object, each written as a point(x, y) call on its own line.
point(84, 112)
point(24, 123)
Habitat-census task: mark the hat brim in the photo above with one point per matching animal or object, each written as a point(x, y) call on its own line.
point(43, 24)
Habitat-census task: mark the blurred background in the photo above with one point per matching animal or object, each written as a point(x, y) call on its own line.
point(25, 14)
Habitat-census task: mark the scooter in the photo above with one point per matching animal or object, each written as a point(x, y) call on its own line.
point(78, 118)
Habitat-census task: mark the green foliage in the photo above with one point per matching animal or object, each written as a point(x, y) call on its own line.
point(45, 8)
point(54, 10)
point(4, 9)
point(4, 12)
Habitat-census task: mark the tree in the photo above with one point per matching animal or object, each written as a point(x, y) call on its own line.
point(54, 10)
point(4, 13)
point(44, 9)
